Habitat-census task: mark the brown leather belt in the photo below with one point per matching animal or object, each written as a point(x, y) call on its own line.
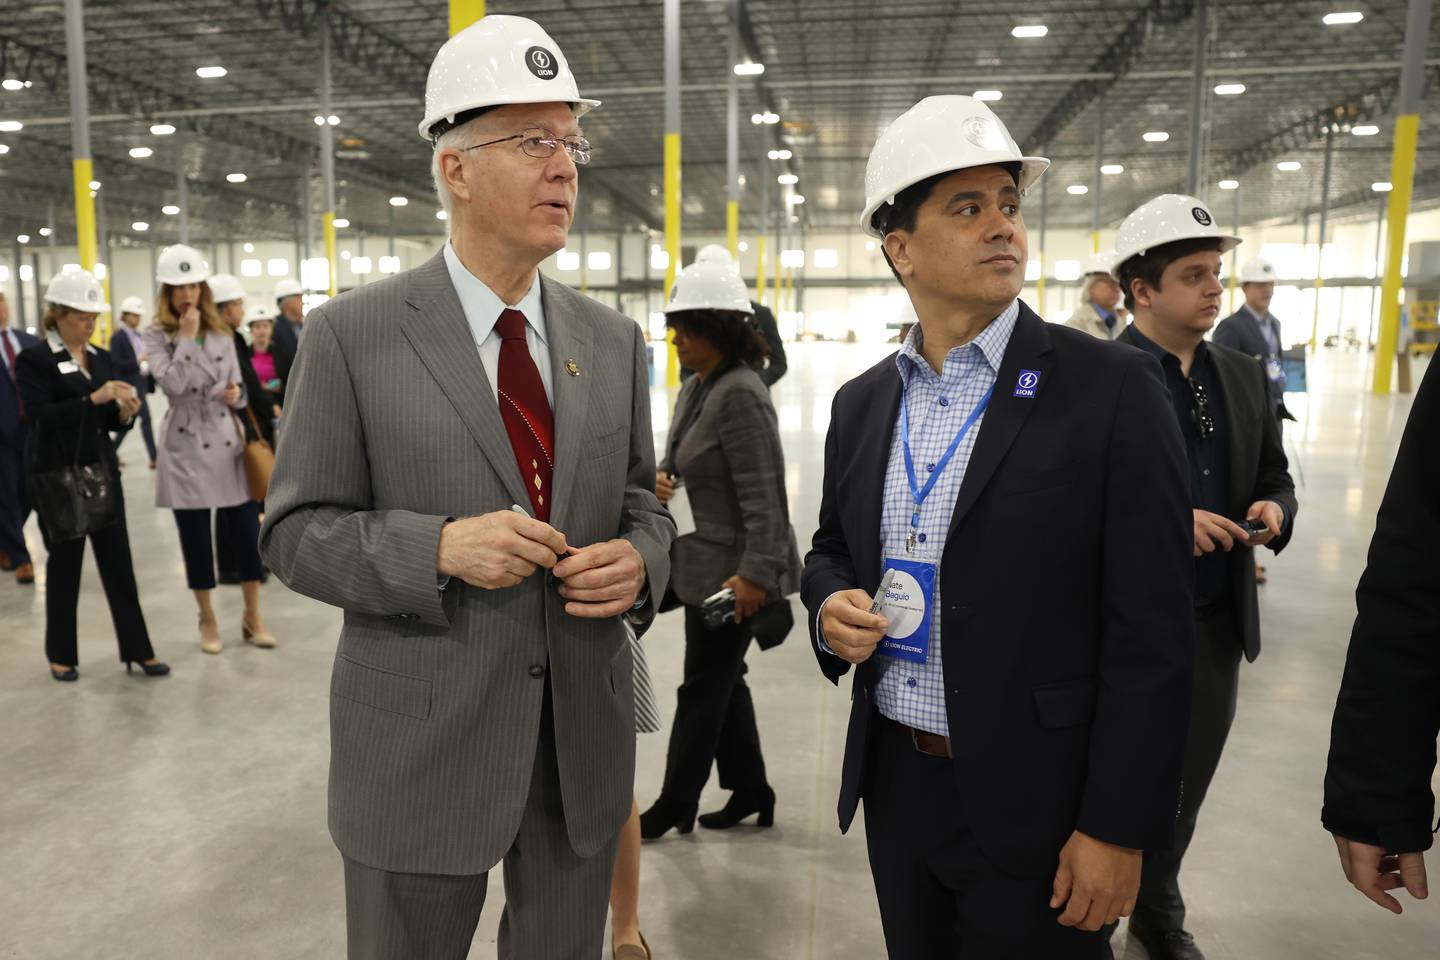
point(930, 744)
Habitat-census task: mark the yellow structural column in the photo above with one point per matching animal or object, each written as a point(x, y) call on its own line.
point(1402, 179)
point(672, 241)
point(732, 228)
point(463, 13)
point(760, 268)
point(89, 247)
point(328, 226)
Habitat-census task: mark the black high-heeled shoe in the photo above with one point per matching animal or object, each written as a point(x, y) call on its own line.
point(151, 669)
point(738, 807)
point(70, 674)
point(662, 816)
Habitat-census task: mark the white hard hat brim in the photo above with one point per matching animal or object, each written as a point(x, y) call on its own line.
point(580, 106)
point(1031, 170)
point(1228, 242)
point(79, 307)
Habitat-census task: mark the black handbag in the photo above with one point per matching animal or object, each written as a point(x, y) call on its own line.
point(75, 501)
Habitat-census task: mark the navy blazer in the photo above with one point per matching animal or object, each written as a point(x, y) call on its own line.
point(126, 363)
point(12, 430)
point(1067, 581)
point(1241, 331)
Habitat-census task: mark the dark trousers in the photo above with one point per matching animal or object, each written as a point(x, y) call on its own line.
point(1216, 682)
point(940, 897)
point(227, 556)
point(147, 433)
point(555, 901)
point(14, 505)
point(195, 543)
point(714, 716)
point(117, 574)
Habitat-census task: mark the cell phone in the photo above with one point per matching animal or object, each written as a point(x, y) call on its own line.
point(719, 609)
point(1254, 527)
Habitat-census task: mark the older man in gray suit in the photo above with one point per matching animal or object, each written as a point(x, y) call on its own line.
point(481, 700)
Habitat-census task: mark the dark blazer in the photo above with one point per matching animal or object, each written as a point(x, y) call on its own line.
point(12, 430)
point(776, 364)
point(287, 338)
point(126, 363)
point(1382, 743)
point(1258, 471)
point(734, 469)
point(59, 411)
point(261, 402)
point(1067, 582)
point(1241, 331)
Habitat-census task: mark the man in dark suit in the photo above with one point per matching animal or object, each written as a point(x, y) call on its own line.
point(1378, 801)
point(1018, 712)
point(14, 506)
point(1168, 258)
point(290, 302)
point(1253, 329)
point(127, 354)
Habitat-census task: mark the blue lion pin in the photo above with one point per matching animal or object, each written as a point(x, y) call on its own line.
point(1027, 384)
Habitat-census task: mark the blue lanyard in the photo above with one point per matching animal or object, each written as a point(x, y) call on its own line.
point(918, 492)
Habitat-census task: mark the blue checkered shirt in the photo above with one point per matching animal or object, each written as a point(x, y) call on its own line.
point(938, 405)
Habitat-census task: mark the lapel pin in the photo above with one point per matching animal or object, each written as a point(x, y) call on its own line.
point(572, 368)
point(1027, 384)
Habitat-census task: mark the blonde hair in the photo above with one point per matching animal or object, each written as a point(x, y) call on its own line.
point(210, 319)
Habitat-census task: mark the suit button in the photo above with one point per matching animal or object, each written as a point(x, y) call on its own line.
point(537, 671)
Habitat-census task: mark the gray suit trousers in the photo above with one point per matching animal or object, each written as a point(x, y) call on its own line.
point(555, 900)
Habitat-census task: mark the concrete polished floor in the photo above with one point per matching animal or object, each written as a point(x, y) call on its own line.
point(185, 817)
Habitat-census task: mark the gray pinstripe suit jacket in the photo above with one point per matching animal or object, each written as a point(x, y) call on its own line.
point(390, 428)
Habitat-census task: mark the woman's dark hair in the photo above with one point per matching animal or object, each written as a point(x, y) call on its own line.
point(1150, 265)
point(731, 331)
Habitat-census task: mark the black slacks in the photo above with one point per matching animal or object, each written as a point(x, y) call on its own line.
point(1218, 647)
point(940, 897)
point(117, 574)
point(14, 505)
point(714, 716)
point(243, 523)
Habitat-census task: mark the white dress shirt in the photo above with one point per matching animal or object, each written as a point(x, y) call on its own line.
point(482, 310)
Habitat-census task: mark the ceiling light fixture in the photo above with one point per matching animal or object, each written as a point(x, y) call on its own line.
point(787, 178)
point(162, 129)
point(1365, 130)
point(1229, 89)
point(749, 69)
point(1288, 166)
point(1228, 184)
point(236, 177)
point(210, 73)
point(1110, 169)
point(1030, 31)
point(1342, 19)
point(1156, 136)
point(140, 153)
point(170, 210)
point(1077, 189)
point(988, 96)
point(11, 126)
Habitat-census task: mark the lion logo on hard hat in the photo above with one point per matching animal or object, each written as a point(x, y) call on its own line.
point(541, 63)
point(92, 296)
point(984, 132)
point(184, 266)
point(1202, 216)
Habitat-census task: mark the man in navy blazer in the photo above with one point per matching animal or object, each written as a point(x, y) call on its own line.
point(14, 507)
point(1012, 776)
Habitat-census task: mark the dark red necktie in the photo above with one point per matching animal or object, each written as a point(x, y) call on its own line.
point(526, 412)
point(10, 368)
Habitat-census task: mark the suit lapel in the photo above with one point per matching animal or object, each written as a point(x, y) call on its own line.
point(1029, 349)
point(872, 460)
point(439, 333)
point(568, 331)
point(1237, 413)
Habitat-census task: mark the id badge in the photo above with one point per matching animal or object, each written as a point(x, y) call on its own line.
point(68, 366)
point(908, 605)
point(1275, 370)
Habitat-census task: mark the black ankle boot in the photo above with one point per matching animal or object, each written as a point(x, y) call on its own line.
point(740, 806)
point(664, 814)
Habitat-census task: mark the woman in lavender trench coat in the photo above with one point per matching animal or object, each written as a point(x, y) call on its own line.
point(201, 464)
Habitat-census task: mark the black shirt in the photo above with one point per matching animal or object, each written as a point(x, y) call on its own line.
point(1209, 456)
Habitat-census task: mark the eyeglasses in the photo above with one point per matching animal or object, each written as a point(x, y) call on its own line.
point(541, 145)
point(1200, 409)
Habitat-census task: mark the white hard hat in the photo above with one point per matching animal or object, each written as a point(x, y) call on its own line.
point(259, 311)
point(132, 305)
point(938, 135)
point(288, 288)
point(224, 288)
point(1258, 270)
point(709, 285)
point(1100, 263)
point(714, 253)
point(1166, 219)
point(77, 289)
point(495, 61)
point(181, 264)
